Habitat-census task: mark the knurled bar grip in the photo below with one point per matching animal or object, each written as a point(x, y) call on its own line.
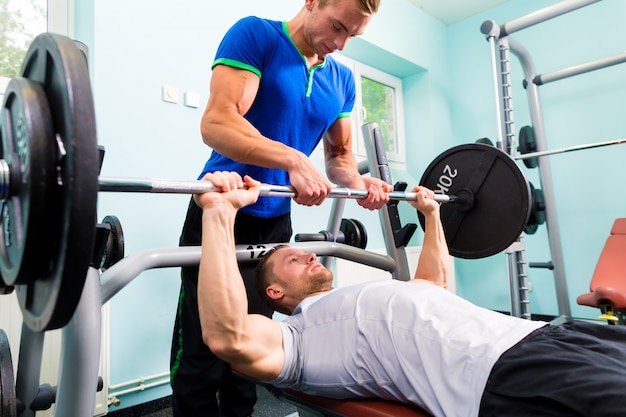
point(166, 186)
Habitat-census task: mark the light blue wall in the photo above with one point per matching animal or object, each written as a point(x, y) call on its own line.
point(136, 46)
point(584, 109)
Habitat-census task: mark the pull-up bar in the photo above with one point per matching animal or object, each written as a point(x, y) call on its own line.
point(580, 69)
point(490, 28)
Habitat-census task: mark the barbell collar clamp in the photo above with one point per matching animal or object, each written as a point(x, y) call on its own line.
point(10, 179)
point(5, 184)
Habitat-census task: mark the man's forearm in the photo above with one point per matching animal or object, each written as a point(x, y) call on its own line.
point(234, 137)
point(434, 261)
point(222, 300)
point(342, 169)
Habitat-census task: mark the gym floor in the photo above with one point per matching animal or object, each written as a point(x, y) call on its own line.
point(267, 406)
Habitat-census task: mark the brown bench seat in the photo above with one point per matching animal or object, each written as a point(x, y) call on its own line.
point(608, 283)
point(329, 407)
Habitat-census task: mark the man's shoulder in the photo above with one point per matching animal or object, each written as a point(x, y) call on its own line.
point(258, 22)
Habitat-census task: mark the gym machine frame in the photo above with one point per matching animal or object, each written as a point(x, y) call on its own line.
point(395, 236)
point(501, 44)
point(50, 162)
point(81, 337)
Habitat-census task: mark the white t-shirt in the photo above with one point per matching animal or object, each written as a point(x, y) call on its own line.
point(414, 343)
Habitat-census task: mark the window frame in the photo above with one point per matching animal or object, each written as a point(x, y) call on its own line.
point(61, 17)
point(358, 113)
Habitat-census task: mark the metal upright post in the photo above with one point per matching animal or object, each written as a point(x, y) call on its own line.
point(334, 224)
point(336, 213)
point(500, 44)
point(29, 368)
point(380, 169)
point(501, 63)
point(80, 353)
point(502, 84)
point(545, 178)
point(518, 283)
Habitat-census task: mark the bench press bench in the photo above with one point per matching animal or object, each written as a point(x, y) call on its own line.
point(333, 407)
point(608, 283)
point(330, 407)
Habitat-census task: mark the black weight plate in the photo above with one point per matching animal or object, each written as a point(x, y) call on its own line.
point(539, 206)
point(354, 233)
point(537, 210)
point(485, 141)
point(527, 144)
point(28, 148)
point(8, 401)
point(61, 67)
point(499, 196)
point(531, 229)
point(114, 250)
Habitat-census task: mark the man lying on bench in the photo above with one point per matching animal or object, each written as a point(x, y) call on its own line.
point(412, 342)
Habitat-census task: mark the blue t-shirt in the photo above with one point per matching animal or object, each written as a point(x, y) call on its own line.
point(295, 104)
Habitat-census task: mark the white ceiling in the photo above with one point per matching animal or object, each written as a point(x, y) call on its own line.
point(453, 11)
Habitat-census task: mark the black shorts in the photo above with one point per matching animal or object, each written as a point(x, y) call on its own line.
point(196, 373)
point(577, 369)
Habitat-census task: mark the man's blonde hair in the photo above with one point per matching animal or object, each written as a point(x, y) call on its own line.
point(367, 6)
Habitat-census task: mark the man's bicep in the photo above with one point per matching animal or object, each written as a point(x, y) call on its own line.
point(233, 87)
point(339, 135)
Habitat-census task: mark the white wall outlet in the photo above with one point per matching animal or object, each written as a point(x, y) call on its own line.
point(192, 99)
point(170, 94)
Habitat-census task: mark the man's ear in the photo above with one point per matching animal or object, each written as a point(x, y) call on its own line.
point(274, 292)
point(309, 4)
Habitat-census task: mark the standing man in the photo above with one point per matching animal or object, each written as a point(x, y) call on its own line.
point(275, 93)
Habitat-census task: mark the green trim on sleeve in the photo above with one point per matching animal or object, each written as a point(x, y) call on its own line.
point(344, 115)
point(236, 64)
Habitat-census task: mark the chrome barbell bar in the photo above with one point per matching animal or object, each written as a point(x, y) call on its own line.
point(168, 186)
point(569, 149)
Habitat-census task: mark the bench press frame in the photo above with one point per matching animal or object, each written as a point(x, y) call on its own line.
point(81, 337)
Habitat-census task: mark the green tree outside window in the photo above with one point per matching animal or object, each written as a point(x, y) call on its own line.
point(378, 101)
point(20, 22)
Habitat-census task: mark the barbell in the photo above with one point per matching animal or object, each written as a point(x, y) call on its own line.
point(49, 183)
point(169, 186)
point(491, 198)
point(351, 232)
point(528, 147)
point(490, 195)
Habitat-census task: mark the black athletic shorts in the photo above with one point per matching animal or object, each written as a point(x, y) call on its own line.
point(576, 369)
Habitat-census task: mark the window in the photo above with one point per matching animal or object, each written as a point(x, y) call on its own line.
point(379, 99)
point(20, 22)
